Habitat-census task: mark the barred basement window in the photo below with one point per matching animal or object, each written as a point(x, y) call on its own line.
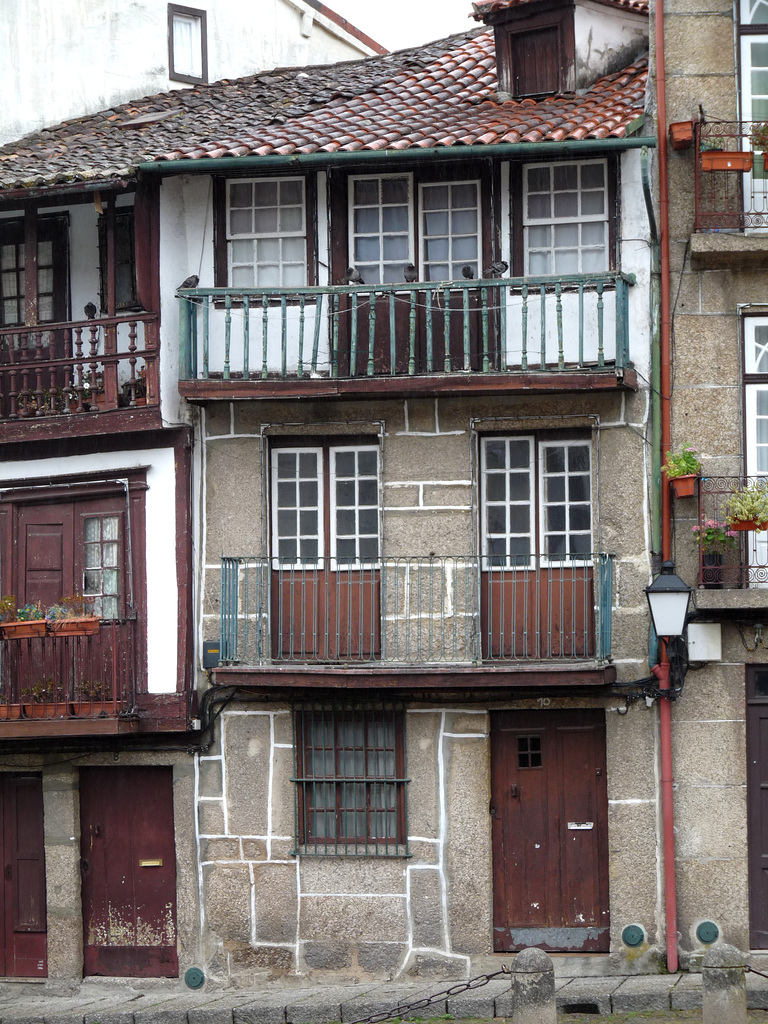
point(350, 780)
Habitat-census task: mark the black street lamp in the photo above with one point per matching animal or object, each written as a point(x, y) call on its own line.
point(669, 599)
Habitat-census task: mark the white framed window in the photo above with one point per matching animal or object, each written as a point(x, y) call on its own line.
point(101, 564)
point(565, 218)
point(266, 233)
point(307, 521)
point(450, 229)
point(381, 226)
point(297, 507)
point(187, 44)
point(536, 498)
point(355, 506)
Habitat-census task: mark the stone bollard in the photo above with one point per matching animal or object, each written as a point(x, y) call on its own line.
point(724, 985)
point(533, 986)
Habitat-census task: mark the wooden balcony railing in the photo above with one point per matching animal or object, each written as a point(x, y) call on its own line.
point(405, 330)
point(742, 560)
point(69, 677)
point(417, 611)
point(731, 177)
point(79, 367)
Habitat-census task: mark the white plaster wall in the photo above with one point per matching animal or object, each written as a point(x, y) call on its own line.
point(162, 589)
point(63, 60)
point(635, 258)
point(606, 40)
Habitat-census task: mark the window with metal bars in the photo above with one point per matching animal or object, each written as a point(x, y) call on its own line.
point(350, 780)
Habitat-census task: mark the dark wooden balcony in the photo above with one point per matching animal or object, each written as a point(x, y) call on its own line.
point(77, 377)
point(731, 177)
point(457, 336)
point(406, 614)
point(68, 685)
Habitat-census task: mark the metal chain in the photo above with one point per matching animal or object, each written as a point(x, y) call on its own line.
point(419, 1004)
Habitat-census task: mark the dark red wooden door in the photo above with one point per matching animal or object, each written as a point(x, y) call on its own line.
point(550, 850)
point(45, 555)
point(128, 865)
point(23, 938)
point(757, 802)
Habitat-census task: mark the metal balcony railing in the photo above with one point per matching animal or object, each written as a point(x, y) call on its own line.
point(437, 610)
point(405, 330)
point(79, 367)
point(741, 561)
point(731, 176)
point(55, 676)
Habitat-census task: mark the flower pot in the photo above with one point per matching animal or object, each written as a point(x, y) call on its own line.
point(681, 134)
point(684, 486)
point(725, 160)
point(94, 708)
point(85, 626)
point(54, 709)
point(748, 524)
point(10, 711)
point(712, 575)
point(23, 630)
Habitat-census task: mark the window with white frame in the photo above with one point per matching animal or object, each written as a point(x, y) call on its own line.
point(187, 44)
point(381, 226)
point(101, 564)
point(308, 519)
point(756, 394)
point(450, 229)
point(536, 498)
point(266, 233)
point(565, 218)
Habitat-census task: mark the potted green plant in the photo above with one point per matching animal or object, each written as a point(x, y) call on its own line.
point(21, 623)
point(94, 697)
point(683, 469)
point(759, 136)
point(72, 616)
point(714, 538)
point(746, 508)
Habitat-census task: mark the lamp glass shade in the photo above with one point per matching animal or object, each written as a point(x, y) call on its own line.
point(668, 599)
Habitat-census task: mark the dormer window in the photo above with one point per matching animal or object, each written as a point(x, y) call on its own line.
point(535, 55)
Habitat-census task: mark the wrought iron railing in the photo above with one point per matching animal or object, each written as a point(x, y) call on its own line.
point(741, 559)
point(79, 367)
point(731, 176)
point(417, 611)
point(69, 676)
point(400, 330)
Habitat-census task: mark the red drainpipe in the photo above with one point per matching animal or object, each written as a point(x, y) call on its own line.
point(662, 670)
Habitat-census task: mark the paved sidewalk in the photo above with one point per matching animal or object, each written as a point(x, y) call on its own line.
point(308, 1001)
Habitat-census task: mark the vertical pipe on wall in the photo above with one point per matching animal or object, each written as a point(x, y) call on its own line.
point(665, 392)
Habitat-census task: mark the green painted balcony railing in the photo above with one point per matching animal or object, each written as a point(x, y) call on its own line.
point(395, 330)
point(412, 610)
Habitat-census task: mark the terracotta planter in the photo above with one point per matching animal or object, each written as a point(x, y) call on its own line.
point(725, 160)
point(684, 486)
point(10, 711)
point(86, 626)
point(23, 630)
point(56, 709)
point(681, 134)
point(748, 524)
point(94, 708)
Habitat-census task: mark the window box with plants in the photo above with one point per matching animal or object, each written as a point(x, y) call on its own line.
point(715, 157)
point(72, 616)
point(714, 538)
point(746, 508)
point(683, 470)
point(94, 698)
point(46, 699)
point(20, 623)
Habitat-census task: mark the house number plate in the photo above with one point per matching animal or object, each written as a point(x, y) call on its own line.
point(157, 863)
point(579, 825)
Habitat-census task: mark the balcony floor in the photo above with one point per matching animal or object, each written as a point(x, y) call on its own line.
point(418, 678)
point(86, 424)
point(544, 382)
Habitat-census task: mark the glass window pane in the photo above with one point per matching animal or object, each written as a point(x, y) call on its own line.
point(465, 248)
point(436, 249)
point(519, 518)
point(394, 218)
point(435, 197)
point(538, 207)
point(463, 196)
point(565, 177)
point(369, 521)
point(242, 277)
point(291, 219)
point(495, 454)
point(368, 463)
point(436, 223)
point(566, 235)
point(592, 203)
point(464, 222)
point(292, 192)
point(240, 222)
point(593, 261)
point(345, 463)
point(538, 179)
point(566, 261)
point(366, 220)
point(566, 204)
point(265, 221)
point(366, 192)
point(265, 193)
point(368, 492)
point(578, 459)
point(395, 247)
point(538, 263)
point(366, 249)
point(394, 190)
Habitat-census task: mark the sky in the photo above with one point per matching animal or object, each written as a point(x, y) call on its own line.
point(400, 23)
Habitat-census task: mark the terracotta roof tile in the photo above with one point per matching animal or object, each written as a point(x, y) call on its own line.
point(485, 7)
point(441, 94)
